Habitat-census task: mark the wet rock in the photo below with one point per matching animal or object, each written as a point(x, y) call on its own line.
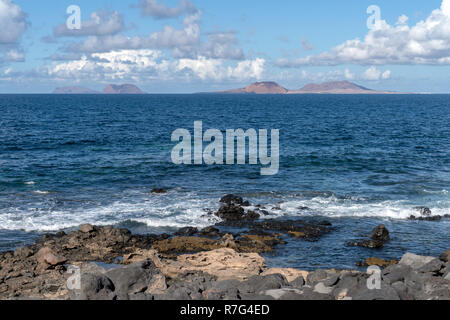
point(378, 237)
point(377, 262)
point(232, 199)
point(430, 218)
point(252, 215)
point(445, 256)
point(415, 261)
point(158, 191)
point(180, 245)
point(187, 231)
point(230, 212)
point(380, 233)
point(210, 232)
point(371, 244)
point(424, 211)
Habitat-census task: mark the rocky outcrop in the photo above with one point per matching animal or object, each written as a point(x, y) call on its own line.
point(378, 238)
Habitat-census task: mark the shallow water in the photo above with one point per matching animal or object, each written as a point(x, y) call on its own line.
point(355, 160)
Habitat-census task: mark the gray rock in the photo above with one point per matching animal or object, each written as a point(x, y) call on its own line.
point(385, 293)
point(396, 273)
point(415, 261)
point(258, 284)
point(434, 288)
point(401, 290)
point(94, 287)
point(322, 288)
point(132, 279)
point(434, 266)
point(316, 276)
point(298, 283)
point(332, 280)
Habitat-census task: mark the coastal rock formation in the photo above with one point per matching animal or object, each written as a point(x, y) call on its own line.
point(40, 271)
point(378, 238)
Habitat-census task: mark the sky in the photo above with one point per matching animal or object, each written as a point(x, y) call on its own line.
point(185, 46)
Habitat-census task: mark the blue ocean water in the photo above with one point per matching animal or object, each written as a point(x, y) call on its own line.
point(356, 160)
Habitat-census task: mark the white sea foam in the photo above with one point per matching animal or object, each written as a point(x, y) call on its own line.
point(179, 209)
point(29, 183)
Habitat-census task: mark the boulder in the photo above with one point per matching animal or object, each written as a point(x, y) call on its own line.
point(134, 279)
point(415, 261)
point(380, 233)
point(87, 228)
point(396, 273)
point(94, 287)
point(231, 212)
point(445, 256)
point(232, 199)
point(434, 266)
point(46, 256)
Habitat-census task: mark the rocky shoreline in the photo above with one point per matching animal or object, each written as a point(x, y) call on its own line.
point(107, 263)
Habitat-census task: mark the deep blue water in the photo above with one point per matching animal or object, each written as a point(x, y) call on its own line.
point(356, 160)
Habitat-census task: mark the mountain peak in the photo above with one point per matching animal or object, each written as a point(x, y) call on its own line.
point(264, 87)
point(333, 87)
point(122, 89)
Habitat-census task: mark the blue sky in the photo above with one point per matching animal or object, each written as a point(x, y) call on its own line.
point(202, 45)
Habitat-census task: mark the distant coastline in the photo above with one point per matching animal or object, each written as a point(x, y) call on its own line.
point(266, 87)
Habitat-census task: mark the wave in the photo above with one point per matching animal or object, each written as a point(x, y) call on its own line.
point(178, 209)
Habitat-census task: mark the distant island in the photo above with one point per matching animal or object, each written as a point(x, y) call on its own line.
point(335, 87)
point(111, 89)
point(266, 87)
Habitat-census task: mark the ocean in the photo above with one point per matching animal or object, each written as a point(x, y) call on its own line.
point(356, 161)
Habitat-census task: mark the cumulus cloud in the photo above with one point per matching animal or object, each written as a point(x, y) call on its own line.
point(101, 23)
point(168, 38)
point(13, 22)
point(13, 55)
point(145, 64)
point(159, 10)
point(373, 74)
point(427, 42)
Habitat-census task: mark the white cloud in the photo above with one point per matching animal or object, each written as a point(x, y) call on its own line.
point(14, 55)
point(101, 23)
point(145, 64)
point(12, 22)
point(161, 11)
point(168, 38)
point(215, 69)
point(373, 74)
point(427, 42)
